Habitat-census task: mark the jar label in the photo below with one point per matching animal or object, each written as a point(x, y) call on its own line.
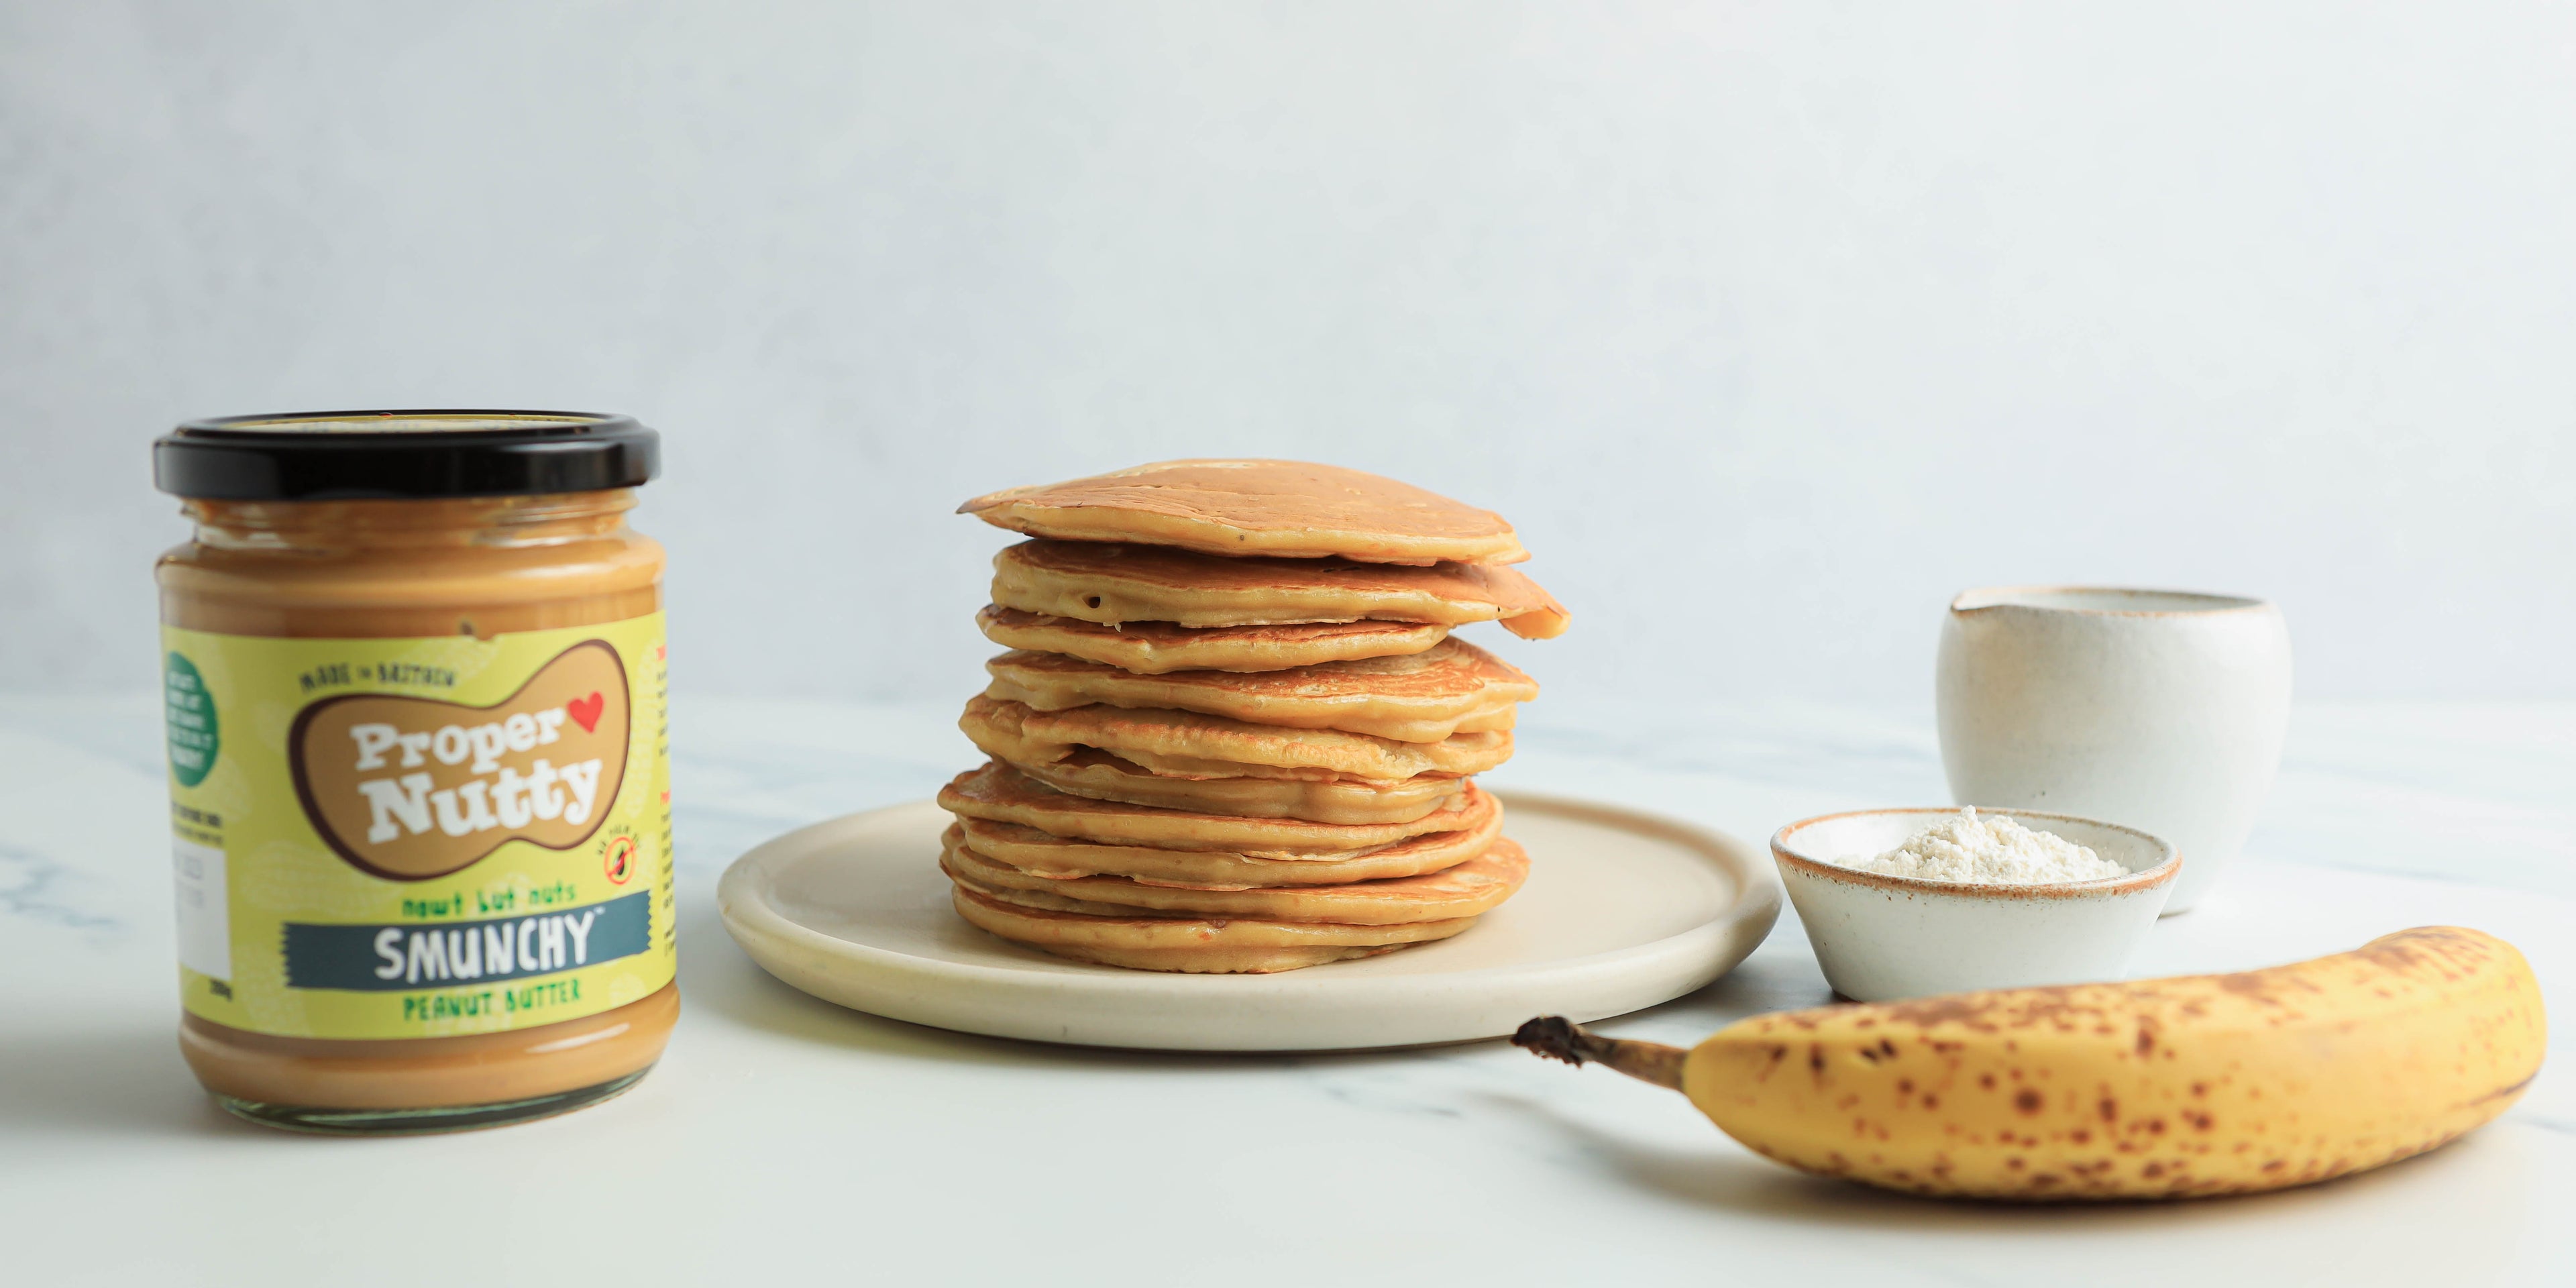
point(420, 837)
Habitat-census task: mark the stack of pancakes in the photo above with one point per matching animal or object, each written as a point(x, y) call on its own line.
point(1233, 732)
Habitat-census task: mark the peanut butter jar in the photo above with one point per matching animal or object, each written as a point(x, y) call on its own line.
point(413, 671)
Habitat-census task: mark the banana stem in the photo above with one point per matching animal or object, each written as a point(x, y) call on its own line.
point(1555, 1037)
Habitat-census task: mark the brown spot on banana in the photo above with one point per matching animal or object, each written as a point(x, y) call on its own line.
point(2284, 1076)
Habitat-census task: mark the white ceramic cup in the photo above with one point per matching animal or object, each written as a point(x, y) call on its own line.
point(2160, 710)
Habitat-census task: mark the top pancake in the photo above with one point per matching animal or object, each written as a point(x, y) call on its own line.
point(1254, 507)
point(1098, 582)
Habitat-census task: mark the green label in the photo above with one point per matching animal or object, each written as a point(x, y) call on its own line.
point(189, 712)
point(420, 837)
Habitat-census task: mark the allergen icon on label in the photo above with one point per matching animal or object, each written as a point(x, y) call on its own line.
point(618, 860)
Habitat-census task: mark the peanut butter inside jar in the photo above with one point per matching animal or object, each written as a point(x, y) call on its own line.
point(419, 787)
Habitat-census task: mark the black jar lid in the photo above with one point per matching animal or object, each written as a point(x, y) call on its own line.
point(413, 455)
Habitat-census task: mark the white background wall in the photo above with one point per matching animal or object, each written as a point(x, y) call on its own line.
point(1771, 325)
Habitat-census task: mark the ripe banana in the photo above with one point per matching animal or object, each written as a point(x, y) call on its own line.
point(2167, 1088)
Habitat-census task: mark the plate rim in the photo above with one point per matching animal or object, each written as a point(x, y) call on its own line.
point(744, 906)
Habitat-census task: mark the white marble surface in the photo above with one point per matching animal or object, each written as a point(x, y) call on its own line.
point(782, 1136)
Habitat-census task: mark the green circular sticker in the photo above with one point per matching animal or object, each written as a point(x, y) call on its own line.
point(190, 712)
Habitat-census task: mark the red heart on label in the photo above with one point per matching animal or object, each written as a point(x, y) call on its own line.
point(585, 711)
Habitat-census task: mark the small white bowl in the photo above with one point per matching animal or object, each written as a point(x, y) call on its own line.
point(1882, 938)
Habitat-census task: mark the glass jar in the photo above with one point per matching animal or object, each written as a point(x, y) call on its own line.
point(415, 686)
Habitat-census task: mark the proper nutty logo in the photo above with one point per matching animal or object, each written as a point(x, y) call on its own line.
point(414, 788)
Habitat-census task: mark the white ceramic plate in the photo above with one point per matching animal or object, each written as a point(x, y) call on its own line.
point(1622, 911)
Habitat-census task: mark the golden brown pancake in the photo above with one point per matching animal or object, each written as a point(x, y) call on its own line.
point(1109, 584)
point(1143, 941)
point(1466, 890)
point(1188, 744)
point(1423, 697)
point(1153, 648)
point(1102, 776)
point(1033, 851)
point(1252, 507)
point(1004, 795)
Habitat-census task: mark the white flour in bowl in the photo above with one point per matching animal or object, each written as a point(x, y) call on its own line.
point(1989, 850)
